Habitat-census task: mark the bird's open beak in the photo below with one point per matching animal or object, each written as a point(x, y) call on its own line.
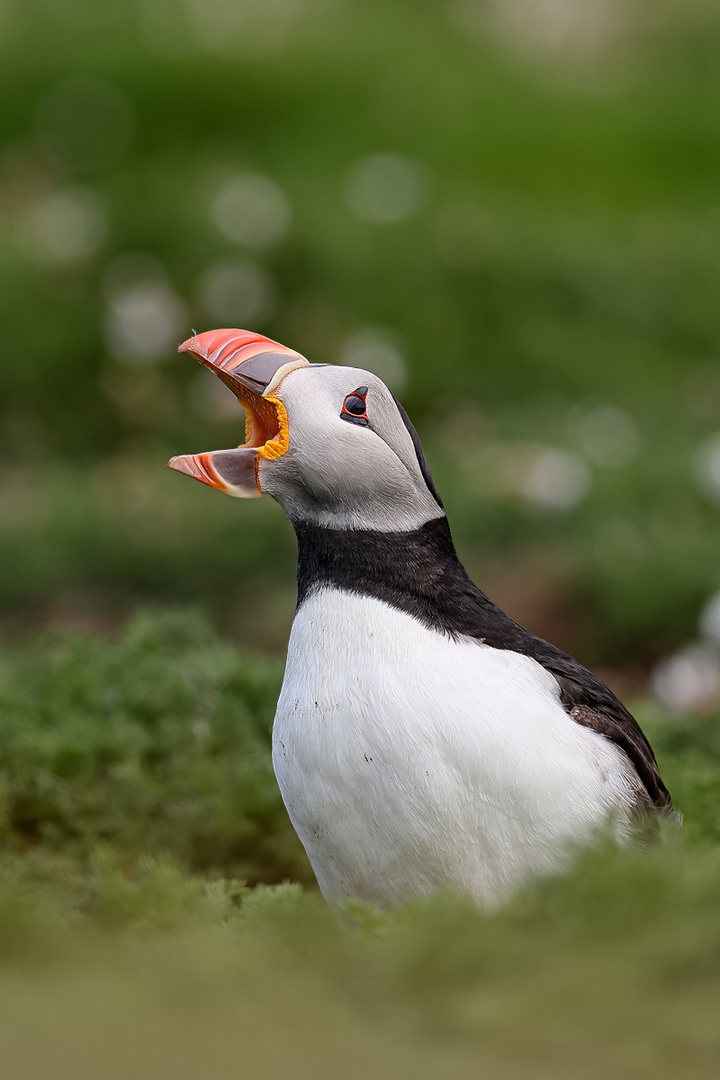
point(253, 367)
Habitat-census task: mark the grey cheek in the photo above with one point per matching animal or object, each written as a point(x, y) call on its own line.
point(339, 487)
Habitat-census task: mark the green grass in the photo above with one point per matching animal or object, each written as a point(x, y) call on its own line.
point(131, 944)
point(157, 742)
point(613, 970)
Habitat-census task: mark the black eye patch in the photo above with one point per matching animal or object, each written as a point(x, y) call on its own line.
point(354, 409)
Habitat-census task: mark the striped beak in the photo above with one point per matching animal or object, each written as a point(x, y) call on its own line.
point(252, 366)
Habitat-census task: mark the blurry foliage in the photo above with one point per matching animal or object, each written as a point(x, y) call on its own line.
point(612, 971)
point(138, 798)
point(519, 200)
point(159, 742)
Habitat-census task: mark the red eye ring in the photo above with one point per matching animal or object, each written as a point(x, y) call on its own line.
point(354, 408)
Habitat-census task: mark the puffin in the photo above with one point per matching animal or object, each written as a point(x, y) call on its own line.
point(423, 740)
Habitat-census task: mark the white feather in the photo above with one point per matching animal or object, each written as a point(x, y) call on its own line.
point(410, 761)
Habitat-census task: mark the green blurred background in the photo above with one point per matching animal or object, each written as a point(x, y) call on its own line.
point(509, 209)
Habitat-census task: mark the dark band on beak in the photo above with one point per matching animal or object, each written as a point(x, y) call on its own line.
point(258, 372)
point(243, 360)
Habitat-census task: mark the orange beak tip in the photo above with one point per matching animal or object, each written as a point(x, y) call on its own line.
point(183, 464)
point(187, 345)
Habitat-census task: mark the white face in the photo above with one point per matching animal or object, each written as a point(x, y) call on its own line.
point(341, 474)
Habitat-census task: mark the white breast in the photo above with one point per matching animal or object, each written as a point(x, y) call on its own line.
point(411, 762)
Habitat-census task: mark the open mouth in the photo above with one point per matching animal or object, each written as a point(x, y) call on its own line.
point(266, 424)
point(252, 366)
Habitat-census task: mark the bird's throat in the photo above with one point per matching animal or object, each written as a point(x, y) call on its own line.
point(409, 570)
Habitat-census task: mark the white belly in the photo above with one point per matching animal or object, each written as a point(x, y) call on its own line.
point(410, 762)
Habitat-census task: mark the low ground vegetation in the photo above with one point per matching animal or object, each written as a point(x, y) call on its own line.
point(150, 882)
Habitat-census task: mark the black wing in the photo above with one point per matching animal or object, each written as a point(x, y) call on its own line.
point(593, 705)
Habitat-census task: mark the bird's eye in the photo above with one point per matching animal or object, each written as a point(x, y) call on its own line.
point(355, 405)
point(354, 409)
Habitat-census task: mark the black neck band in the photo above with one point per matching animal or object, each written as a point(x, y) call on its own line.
point(417, 572)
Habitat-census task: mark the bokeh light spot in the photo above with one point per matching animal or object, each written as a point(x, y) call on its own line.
point(379, 351)
point(251, 210)
point(609, 436)
point(556, 480)
point(237, 292)
point(569, 30)
point(386, 188)
point(689, 680)
point(707, 468)
point(266, 23)
point(65, 227)
point(145, 318)
point(709, 624)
